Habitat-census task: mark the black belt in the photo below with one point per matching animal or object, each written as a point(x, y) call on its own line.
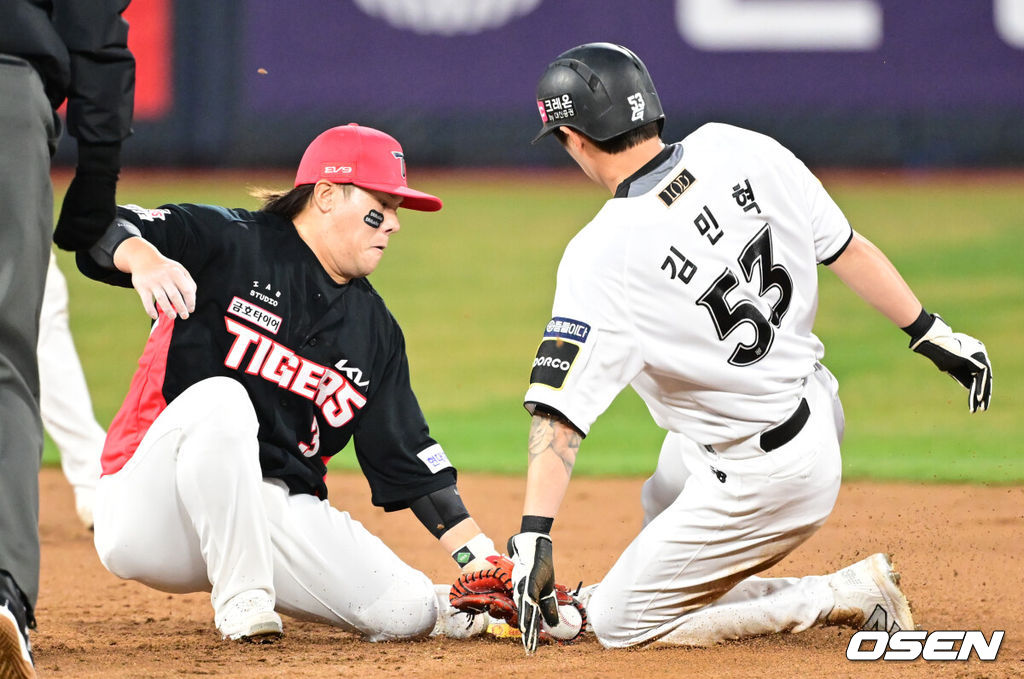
point(776, 437)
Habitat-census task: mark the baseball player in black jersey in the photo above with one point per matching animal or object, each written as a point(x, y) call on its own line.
point(270, 351)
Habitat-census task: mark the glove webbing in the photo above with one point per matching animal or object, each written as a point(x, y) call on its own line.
point(478, 582)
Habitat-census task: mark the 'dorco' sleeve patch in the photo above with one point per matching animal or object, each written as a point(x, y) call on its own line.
point(554, 359)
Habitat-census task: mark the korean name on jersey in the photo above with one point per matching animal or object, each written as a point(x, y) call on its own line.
point(697, 285)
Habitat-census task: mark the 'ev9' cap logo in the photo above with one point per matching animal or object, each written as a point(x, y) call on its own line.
point(352, 154)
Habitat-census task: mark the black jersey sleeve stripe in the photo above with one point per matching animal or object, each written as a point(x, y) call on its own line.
point(537, 408)
point(840, 251)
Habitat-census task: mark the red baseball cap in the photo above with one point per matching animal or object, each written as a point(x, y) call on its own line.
point(368, 158)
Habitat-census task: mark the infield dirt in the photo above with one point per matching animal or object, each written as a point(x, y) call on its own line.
point(958, 548)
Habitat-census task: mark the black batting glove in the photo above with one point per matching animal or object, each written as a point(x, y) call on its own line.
point(89, 204)
point(960, 356)
point(533, 584)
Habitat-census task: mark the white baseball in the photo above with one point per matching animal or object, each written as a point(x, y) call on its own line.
point(569, 623)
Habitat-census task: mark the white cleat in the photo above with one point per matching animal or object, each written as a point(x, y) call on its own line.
point(868, 596)
point(250, 616)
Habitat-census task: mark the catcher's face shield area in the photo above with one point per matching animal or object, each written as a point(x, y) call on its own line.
point(368, 158)
point(599, 89)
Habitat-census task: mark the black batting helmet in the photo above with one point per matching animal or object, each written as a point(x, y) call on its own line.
point(599, 89)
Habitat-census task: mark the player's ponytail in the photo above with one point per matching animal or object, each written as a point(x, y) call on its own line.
point(286, 204)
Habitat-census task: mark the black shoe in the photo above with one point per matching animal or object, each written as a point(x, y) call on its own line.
point(15, 621)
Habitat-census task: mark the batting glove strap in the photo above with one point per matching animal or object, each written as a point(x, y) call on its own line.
point(533, 584)
point(920, 326)
point(962, 357)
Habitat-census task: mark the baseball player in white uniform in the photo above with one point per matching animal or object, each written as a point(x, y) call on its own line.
point(64, 402)
point(696, 284)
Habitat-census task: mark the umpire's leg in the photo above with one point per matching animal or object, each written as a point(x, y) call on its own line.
point(28, 132)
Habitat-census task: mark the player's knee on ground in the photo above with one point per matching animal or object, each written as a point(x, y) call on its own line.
point(128, 562)
point(606, 615)
point(407, 610)
point(113, 557)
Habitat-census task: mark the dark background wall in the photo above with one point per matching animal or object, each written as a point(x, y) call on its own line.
point(908, 83)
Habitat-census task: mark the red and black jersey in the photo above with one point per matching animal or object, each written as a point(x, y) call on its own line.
point(322, 362)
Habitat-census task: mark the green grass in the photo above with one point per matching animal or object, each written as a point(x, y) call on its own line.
point(472, 287)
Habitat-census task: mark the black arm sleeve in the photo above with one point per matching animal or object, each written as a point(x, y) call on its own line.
point(98, 261)
point(440, 510)
point(400, 460)
point(188, 234)
point(102, 90)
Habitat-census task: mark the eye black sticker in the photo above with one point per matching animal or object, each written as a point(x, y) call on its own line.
point(374, 218)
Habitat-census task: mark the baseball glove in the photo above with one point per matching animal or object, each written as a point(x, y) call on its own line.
point(490, 591)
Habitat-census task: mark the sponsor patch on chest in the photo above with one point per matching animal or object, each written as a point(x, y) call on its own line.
point(255, 314)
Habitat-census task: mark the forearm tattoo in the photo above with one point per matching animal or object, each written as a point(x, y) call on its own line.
point(550, 434)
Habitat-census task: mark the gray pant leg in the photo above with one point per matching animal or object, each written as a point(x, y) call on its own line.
point(27, 131)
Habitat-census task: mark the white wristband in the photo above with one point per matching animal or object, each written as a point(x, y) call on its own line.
point(479, 547)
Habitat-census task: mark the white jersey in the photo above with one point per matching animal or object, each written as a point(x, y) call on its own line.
point(696, 284)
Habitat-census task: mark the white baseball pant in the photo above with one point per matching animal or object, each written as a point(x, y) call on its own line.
point(688, 577)
point(64, 402)
point(191, 512)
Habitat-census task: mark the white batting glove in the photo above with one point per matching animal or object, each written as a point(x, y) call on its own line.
point(533, 584)
point(962, 357)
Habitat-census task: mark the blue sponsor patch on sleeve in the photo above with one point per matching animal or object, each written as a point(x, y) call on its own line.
point(567, 328)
